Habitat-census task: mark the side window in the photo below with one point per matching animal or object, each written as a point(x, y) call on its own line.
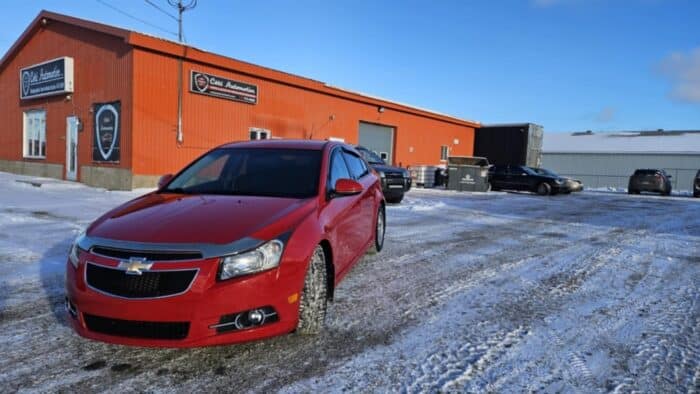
point(338, 169)
point(357, 166)
point(444, 152)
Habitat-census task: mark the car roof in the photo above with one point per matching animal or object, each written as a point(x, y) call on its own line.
point(279, 144)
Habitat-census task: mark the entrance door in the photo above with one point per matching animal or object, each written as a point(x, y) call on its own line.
point(72, 148)
point(379, 139)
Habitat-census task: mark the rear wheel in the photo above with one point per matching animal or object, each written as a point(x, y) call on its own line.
point(667, 192)
point(632, 191)
point(314, 297)
point(543, 189)
point(379, 231)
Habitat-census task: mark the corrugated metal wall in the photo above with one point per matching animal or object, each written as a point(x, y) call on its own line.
point(287, 111)
point(603, 170)
point(102, 72)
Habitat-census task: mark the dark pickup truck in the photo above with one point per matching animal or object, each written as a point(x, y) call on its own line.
point(395, 180)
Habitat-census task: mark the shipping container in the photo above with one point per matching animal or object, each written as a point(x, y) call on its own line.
point(510, 144)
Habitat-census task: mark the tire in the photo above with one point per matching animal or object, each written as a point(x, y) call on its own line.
point(494, 188)
point(314, 297)
point(379, 231)
point(543, 189)
point(696, 194)
point(667, 192)
point(631, 191)
point(395, 200)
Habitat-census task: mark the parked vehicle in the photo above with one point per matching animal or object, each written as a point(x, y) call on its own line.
point(574, 185)
point(395, 180)
point(248, 241)
point(525, 178)
point(650, 180)
point(696, 185)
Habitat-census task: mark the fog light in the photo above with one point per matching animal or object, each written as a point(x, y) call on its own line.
point(255, 317)
point(71, 309)
point(246, 319)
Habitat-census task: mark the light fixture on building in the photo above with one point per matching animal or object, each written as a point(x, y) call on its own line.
point(380, 109)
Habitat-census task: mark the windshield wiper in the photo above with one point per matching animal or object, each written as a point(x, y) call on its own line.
point(179, 190)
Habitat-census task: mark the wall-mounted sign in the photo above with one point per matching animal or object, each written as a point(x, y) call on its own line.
point(46, 79)
point(105, 146)
point(211, 85)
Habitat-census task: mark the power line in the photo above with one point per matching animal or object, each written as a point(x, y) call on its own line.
point(181, 7)
point(145, 22)
point(156, 6)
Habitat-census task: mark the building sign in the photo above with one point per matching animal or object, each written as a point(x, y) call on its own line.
point(105, 146)
point(46, 79)
point(211, 85)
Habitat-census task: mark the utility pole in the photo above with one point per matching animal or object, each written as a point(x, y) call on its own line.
point(181, 7)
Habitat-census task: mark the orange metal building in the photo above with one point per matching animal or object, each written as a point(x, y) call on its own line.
point(51, 129)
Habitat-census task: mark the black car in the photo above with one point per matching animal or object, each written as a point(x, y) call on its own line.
point(395, 180)
point(524, 178)
point(650, 180)
point(696, 185)
point(574, 185)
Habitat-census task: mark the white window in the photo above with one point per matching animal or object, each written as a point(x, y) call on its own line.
point(35, 134)
point(259, 134)
point(444, 152)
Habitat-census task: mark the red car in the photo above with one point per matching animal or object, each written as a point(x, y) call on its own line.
point(247, 242)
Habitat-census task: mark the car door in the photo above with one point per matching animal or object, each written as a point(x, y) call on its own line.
point(365, 220)
point(342, 213)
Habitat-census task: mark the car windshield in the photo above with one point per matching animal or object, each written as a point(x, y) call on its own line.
point(286, 173)
point(544, 171)
point(370, 157)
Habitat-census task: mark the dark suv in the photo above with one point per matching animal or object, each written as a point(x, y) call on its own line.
point(395, 180)
point(650, 180)
point(527, 179)
point(696, 185)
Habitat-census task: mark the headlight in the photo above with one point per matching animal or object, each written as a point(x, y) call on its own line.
point(558, 181)
point(73, 255)
point(260, 259)
point(381, 174)
point(406, 174)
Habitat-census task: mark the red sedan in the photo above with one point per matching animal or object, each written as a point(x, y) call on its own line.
point(247, 242)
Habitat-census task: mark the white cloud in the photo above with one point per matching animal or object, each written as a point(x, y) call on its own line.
point(683, 71)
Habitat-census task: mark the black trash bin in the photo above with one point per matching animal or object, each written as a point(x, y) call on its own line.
point(466, 173)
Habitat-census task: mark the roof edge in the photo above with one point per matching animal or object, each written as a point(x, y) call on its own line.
point(43, 18)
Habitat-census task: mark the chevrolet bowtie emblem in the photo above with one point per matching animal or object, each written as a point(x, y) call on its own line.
point(134, 266)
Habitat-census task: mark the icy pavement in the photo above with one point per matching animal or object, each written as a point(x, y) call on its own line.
point(473, 292)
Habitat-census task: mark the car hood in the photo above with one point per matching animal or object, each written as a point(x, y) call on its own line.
point(179, 218)
point(387, 169)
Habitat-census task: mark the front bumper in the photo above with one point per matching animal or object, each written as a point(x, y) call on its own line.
point(393, 186)
point(205, 304)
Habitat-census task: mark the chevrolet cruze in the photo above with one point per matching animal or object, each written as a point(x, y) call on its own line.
point(247, 242)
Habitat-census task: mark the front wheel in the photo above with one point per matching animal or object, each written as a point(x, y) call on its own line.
point(314, 297)
point(543, 189)
point(379, 231)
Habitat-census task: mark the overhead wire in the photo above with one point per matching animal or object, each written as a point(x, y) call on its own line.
point(145, 22)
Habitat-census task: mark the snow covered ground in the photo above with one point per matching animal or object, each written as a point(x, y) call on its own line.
point(473, 292)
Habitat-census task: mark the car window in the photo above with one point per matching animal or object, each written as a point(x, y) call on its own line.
point(370, 157)
point(516, 171)
point(357, 166)
point(287, 173)
point(338, 169)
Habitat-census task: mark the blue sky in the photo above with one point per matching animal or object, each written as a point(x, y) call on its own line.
point(565, 64)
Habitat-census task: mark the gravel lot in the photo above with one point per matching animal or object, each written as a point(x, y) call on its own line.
point(473, 292)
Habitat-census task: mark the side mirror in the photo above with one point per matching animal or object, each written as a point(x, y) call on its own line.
point(164, 180)
point(347, 187)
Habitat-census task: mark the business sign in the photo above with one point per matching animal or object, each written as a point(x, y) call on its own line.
point(211, 85)
point(49, 78)
point(105, 146)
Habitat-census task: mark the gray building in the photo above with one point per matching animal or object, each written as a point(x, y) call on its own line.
point(606, 160)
